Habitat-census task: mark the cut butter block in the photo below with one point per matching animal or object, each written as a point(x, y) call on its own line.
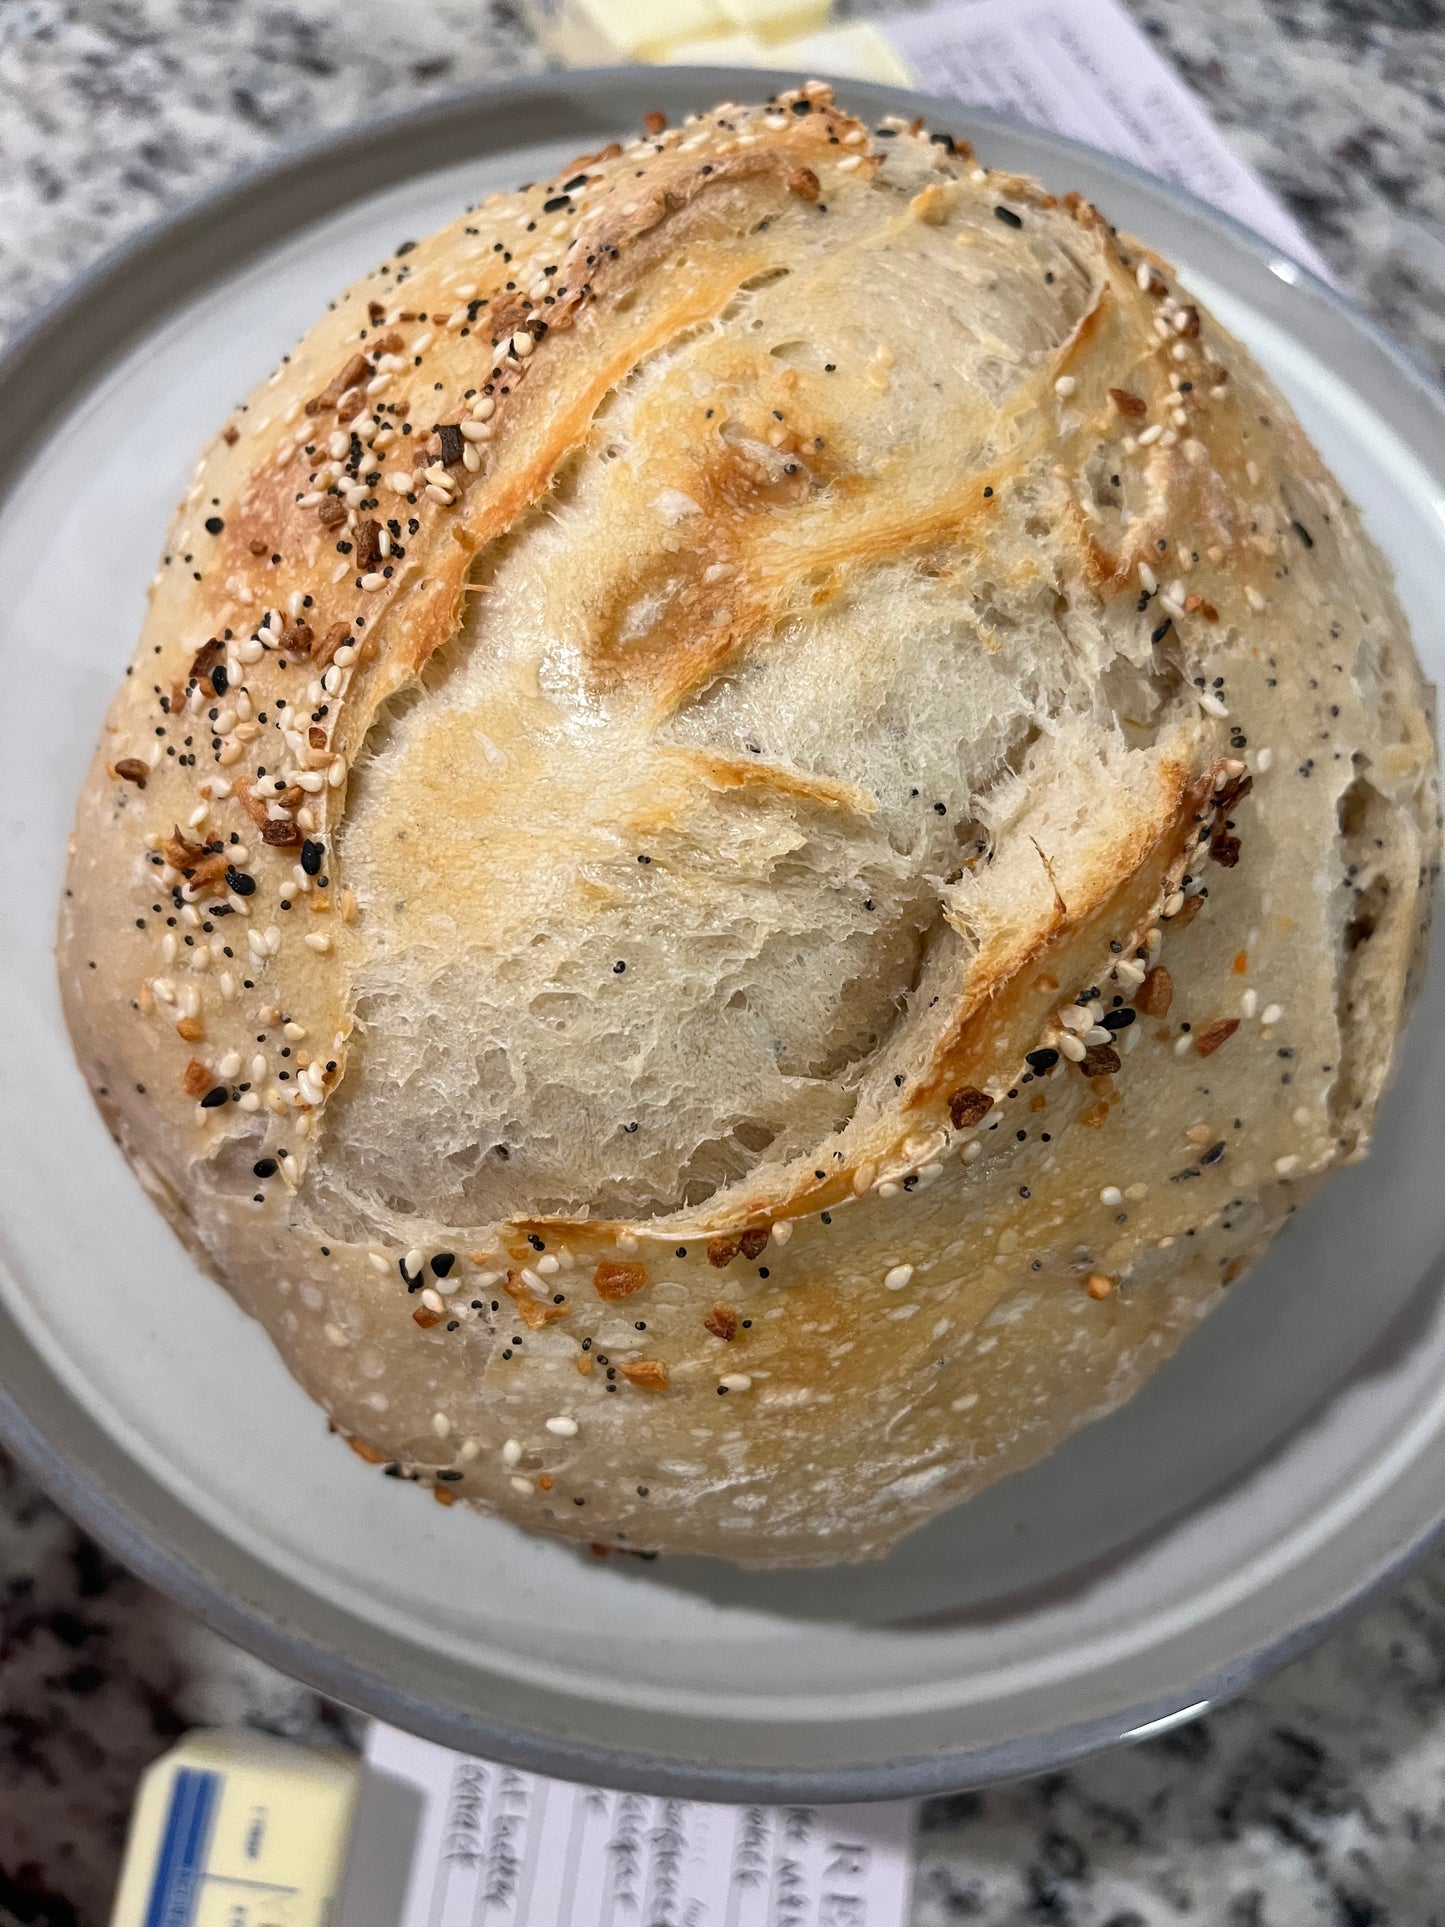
point(774, 20)
point(857, 52)
point(587, 32)
point(727, 50)
point(238, 1830)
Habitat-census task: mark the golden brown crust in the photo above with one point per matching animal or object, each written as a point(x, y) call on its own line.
point(442, 650)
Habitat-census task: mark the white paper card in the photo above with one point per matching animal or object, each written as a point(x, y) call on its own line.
point(1083, 68)
point(496, 1847)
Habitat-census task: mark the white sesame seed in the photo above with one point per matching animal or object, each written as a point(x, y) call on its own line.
point(1173, 904)
point(1271, 1013)
point(372, 581)
point(1283, 1166)
point(318, 941)
point(782, 1231)
point(1111, 1195)
point(1098, 1035)
point(562, 1428)
point(230, 1065)
point(1249, 1003)
point(441, 495)
point(736, 1382)
point(547, 1265)
point(1211, 705)
point(1150, 434)
point(1065, 385)
point(483, 409)
point(249, 1101)
point(1262, 759)
point(379, 1262)
point(441, 1425)
point(399, 482)
point(897, 1277)
point(1073, 1049)
point(1255, 600)
point(1183, 1044)
point(511, 1451)
point(522, 344)
point(971, 1153)
point(1144, 275)
point(863, 1179)
point(1147, 578)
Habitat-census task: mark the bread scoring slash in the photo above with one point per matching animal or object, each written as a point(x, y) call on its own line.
point(769, 818)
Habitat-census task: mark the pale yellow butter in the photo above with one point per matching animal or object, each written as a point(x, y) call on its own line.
point(238, 1830)
point(856, 52)
point(775, 20)
point(584, 33)
point(726, 50)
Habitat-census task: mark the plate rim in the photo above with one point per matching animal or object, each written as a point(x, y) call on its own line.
point(40, 369)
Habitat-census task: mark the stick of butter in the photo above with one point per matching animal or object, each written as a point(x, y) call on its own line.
point(582, 33)
point(585, 33)
point(858, 51)
point(726, 50)
point(238, 1830)
point(774, 20)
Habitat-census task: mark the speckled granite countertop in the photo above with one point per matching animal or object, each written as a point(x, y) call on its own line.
point(1320, 1798)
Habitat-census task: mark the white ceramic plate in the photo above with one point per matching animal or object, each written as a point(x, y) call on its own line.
point(1289, 1460)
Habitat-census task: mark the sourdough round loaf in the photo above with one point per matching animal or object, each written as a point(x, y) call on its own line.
point(769, 817)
